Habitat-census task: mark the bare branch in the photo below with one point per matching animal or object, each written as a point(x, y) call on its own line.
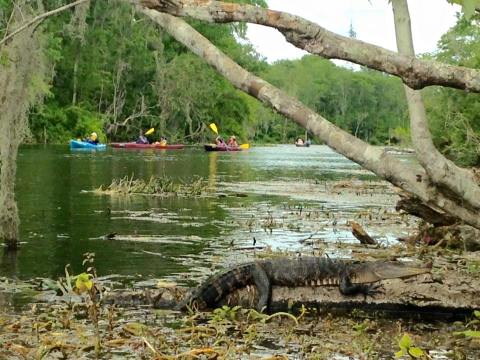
point(313, 38)
point(40, 18)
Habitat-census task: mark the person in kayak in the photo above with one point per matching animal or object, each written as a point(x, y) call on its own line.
point(163, 141)
point(142, 139)
point(299, 141)
point(219, 141)
point(232, 141)
point(92, 139)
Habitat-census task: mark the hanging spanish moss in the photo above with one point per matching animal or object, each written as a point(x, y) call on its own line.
point(23, 70)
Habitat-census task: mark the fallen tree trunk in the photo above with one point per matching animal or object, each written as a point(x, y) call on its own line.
point(367, 156)
point(304, 34)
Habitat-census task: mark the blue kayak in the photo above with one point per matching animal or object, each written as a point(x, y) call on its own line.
point(78, 144)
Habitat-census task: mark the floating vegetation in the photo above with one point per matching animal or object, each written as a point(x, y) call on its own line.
point(156, 186)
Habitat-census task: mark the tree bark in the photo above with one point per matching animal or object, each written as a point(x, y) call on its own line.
point(313, 38)
point(440, 170)
point(367, 156)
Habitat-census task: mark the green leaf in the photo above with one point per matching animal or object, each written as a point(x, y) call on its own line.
point(468, 333)
point(83, 282)
point(405, 342)
point(416, 352)
point(476, 313)
point(400, 353)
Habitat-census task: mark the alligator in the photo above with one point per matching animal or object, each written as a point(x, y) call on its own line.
point(351, 278)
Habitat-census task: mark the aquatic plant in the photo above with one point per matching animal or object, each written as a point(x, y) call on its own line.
point(156, 186)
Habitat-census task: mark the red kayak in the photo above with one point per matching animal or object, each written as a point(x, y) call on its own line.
point(213, 147)
point(133, 145)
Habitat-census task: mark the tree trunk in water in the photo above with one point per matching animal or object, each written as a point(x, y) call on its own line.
point(369, 157)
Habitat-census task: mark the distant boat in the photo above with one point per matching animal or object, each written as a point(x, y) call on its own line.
point(134, 145)
point(214, 147)
point(78, 144)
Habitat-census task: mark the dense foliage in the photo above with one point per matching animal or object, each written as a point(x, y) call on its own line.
point(454, 114)
point(116, 73)
point(366, 103)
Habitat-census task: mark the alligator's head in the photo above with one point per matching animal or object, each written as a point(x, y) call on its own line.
point(368, 272)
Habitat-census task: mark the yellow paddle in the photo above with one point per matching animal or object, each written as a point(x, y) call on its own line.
point(149, 131)
point(244, 146)
point(214, 128)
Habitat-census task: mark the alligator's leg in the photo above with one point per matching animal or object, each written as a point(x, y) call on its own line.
point(264, 287)
point(347, 288)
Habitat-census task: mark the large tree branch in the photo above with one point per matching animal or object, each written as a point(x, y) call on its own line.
point(362, 153)
point(441, 171)
point(313, 38)
point(39, 18)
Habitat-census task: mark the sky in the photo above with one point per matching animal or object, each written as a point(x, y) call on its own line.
point(372, 21)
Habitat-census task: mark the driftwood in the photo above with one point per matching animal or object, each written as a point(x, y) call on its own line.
point(361, 234)
point(450, 292)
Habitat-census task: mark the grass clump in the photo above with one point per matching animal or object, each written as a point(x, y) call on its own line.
point(157, 186)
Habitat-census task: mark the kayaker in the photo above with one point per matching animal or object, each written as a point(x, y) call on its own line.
point(92, 139)
point(232, 141)
point(219, 141)
point(163, 141)
point(142, 139)
point(299, 141)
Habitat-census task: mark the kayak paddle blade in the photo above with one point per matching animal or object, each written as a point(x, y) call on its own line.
point(214, 128)
point(149, 131)
point(244, 146)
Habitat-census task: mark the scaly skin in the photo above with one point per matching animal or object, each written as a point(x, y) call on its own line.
point(352, 278)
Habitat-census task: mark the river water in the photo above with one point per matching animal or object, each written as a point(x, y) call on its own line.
point(61, 219)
